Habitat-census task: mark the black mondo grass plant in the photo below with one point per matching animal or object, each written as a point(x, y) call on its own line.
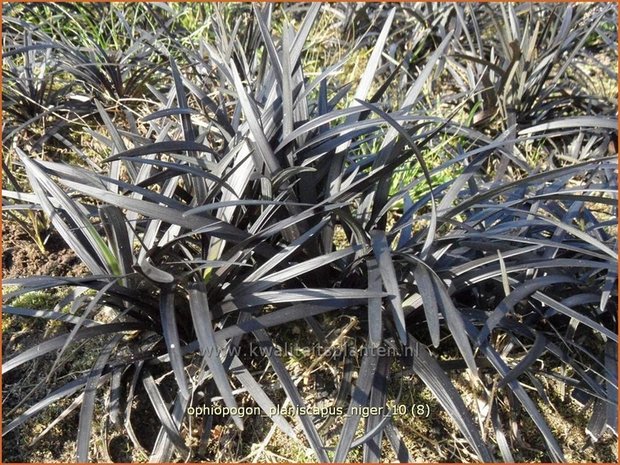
point(239, 203)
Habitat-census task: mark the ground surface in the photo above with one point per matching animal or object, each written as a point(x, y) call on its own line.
point(20, 256)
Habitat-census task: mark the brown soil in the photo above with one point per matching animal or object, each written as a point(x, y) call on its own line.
point(21, 257)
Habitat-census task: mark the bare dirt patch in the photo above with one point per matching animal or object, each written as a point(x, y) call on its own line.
point(21, 257)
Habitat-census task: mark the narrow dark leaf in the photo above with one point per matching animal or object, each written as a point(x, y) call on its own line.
point(115, 226)
point(160, 148)
point(216, 205)
point(47, 314)
point(171, 336)
point(500, 436)
point(162, 412)
point(398, 444)
point(114, 402)
point(598, 122)
point(88, 403)
point(456, 323)
point(537, 349)
point(375, 308)
point(59, 341)
point(201, 316)
point(293, 271)
point(169, 112)
point(326, 295)
point(611, 385)
point(383, 255)
point(258, 394)
point(375, 423)
point(155, 274)
point(163, 448)
point(360, 398)
point(429, 300)
point(186, 121)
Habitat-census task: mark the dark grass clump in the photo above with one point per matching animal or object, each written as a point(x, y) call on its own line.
point(238, 201)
